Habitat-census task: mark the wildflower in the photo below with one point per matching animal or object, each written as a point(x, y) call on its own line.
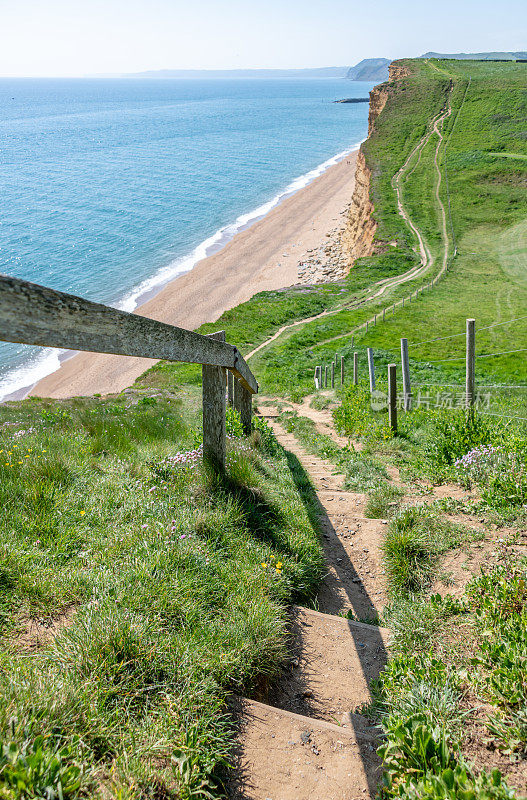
point(264, 565)
point(144, 526)
point(83, 512)
point(278, 565)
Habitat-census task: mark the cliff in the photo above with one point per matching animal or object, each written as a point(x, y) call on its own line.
point(369, 69)
point(378, 97)
point(397, 70)
point(358, 235)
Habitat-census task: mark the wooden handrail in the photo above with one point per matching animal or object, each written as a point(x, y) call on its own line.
point(34, 314)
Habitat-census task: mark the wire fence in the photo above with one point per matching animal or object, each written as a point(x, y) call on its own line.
point(469, 394)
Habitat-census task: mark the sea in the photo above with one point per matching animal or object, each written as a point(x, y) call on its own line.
point(110, 188)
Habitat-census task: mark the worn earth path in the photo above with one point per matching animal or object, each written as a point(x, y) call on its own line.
point(426, 259)
point(305, 742)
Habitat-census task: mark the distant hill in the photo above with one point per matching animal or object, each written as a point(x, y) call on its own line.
point(478, 56)
point(316, 72)
point(370, 69)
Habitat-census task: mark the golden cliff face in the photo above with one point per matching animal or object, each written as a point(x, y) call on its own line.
point(378, 97)
point(397, 70)
point(357, 238)
point(358, 234)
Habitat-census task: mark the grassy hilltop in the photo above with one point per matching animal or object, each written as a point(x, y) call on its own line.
point(484, 160)
point(484, 157)
point(138, 591)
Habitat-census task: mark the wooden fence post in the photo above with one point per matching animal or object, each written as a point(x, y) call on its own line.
point(342, 370)
point(325, 377)
point(392, 397)
point(375, 319)
point(355, 369)
point(332, 374)
point(470, 378)
point(243, 403)
point(230, 388)
point(407, 388)
point(371, 369)
point(214, 440)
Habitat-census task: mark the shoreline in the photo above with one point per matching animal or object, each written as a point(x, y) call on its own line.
point(253, 259)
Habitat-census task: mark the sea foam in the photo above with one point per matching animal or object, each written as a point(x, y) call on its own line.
point(213, 243)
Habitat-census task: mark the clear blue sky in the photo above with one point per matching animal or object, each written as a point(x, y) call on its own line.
point(78, 37)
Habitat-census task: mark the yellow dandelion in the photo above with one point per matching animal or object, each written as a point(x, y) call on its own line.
point(278, 565)
point(82, 512)
point(264, 565)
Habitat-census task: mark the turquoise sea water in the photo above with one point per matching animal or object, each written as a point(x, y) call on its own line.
point(112, 187)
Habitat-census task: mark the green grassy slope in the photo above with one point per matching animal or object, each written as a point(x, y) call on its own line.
point(486, 278)
point(137, 591)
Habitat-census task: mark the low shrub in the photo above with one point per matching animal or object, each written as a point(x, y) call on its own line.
point(355, 416)
point(415, 539)
point(456, 433)
point(500, 471)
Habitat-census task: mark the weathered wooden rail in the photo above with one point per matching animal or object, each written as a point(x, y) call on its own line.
point(33, 314)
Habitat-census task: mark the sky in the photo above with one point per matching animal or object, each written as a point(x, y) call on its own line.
point(86, 37)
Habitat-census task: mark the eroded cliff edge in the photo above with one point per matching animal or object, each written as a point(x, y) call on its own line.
point(358, 236)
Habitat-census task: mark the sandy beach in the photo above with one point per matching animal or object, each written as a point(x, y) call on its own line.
point(265, 256)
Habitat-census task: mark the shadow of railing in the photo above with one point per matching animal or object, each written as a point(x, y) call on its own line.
point(348, 577)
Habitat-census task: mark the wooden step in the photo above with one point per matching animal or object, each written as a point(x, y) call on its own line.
point(331, 662)
point(308, 741)
point(286, 756)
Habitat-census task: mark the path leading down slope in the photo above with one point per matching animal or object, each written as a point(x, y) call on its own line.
point(426, 257)
point(305, 742)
